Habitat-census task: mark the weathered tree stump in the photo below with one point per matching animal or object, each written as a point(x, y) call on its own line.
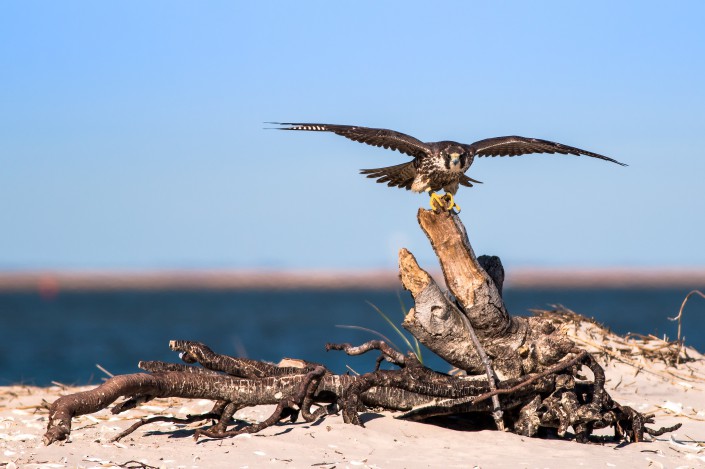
point(521, 371)
point(516, 345)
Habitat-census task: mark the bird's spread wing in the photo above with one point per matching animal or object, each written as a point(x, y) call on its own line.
point(513, 146)
point(378, 137)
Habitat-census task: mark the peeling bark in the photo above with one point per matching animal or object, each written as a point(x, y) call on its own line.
point(433, 320)
point(464, 276)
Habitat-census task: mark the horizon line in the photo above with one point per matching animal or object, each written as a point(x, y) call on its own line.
point(55, 280)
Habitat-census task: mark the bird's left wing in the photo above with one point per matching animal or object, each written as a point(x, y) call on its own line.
point(514, 146)
point(377, 137)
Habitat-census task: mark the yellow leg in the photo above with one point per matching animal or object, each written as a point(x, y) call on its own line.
point(448, 197)
point(437, 202)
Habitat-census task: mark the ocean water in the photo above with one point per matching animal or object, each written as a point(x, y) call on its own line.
point(64, 337)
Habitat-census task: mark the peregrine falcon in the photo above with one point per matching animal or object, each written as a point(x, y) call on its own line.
point(437, 165)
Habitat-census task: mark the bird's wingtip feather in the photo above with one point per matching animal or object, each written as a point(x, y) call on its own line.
point(282, 125)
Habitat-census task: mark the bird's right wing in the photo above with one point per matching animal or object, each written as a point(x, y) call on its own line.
point(377, 137)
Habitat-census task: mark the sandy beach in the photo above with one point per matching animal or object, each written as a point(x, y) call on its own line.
point(673, 394)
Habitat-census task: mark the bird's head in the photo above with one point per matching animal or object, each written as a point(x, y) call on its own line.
point(454, 157)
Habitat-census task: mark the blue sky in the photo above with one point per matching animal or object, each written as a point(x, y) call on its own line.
point(131, 133)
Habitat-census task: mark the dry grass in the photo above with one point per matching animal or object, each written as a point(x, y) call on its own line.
point(647, 353)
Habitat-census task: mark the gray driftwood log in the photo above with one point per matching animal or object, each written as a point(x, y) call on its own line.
point(520, 371)
point(516, 345)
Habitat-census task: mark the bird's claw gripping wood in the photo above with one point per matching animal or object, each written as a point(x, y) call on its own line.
point(448, 197)
point(446, 202)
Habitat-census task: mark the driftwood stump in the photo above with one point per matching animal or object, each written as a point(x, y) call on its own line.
point(522, 372)
point(517, 345)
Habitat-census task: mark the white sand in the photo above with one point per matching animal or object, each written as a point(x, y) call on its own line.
point(385, 442)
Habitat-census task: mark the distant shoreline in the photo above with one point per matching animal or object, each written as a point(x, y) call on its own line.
point(50, 282)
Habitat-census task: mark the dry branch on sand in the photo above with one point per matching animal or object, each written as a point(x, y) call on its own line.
point(521, 374)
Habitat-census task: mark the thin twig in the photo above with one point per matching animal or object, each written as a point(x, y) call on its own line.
point(371, 331)
point(679, 319)
point(163, 418)
point(110, 375)
point(492, 378)
point(388, 352)
point(531, 378)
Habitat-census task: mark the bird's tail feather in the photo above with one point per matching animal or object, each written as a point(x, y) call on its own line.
point(401, 175)
point(467, 182)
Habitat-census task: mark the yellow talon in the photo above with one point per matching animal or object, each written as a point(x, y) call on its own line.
point(444, 202)
point(437, 202)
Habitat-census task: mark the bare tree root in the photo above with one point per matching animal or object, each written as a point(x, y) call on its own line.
point(524, 373)
point(300, 399)
point(195, 352)
point(141, 387)
point(548, 399)
point(163, 418)
point(388, 353)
